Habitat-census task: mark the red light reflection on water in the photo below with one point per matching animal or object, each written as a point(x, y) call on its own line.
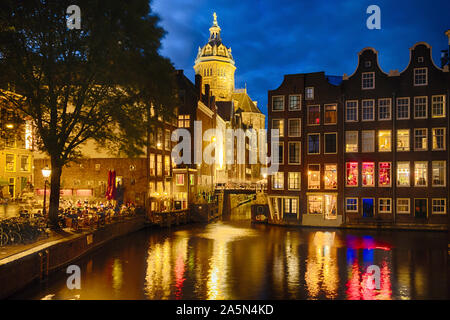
point(179, 276)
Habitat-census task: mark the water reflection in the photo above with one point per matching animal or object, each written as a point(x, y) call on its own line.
point(235, 260)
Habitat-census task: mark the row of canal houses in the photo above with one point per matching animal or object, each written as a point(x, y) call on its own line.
point(368, 148)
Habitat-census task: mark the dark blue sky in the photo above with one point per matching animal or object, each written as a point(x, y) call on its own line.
point(270, 38)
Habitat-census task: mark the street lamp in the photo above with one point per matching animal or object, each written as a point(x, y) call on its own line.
point(46, 172)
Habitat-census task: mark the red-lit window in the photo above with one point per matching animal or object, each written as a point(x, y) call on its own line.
point(385, 174)
point(313, 115)
point(351, 174)
point(368, 174)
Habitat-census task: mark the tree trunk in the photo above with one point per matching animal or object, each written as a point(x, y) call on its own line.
point(55, 186)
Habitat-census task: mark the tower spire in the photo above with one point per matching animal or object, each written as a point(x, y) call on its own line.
point(214, 31)
point(215, 20)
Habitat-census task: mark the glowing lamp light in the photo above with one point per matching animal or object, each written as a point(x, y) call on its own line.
point(10, 126)
point(46, 172)
point(158, 144)
point(213, 139)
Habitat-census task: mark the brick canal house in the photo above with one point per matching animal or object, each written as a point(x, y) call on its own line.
point(369, 148)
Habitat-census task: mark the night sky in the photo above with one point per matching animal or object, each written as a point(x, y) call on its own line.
point(270, 38)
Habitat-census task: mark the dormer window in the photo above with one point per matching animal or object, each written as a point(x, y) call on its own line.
point(368, 80)
point(420, 76)
point(368, 64)
point(420, 59)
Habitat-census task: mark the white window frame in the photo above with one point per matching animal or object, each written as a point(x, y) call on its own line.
point(409, 108)
point(273, 183)
point(374, 174)
point(299, 152)
point(426, 136)
point(379, 205)
point(396, 172)
point(445, 174)
point(426, 107)
point(300, 99)
point(409, 206)
point(307, 115)
point(278, 96)
point(325, 111)
point(307, 97)
point(325, 145)
point(373, 109)
point(427, 176)
point(346, 110)
point(357, 141)
point(445, 206)
point(281, 144)
point(324, 174)
point(312, 134)
point(357, 179)
point(362, 80)
point(443, 104)
point(281, 132)
point(433, 136)
point(409, 141)
point(378, 141)
point(299, 180)
point(379, 171)
point(300, 127)
point(390, 109)
point(320, 180)
point(373, 140)
point(426, 76)
point(357, 204)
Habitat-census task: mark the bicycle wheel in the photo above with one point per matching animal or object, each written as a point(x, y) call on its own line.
point(14, 237)
point(3, 239)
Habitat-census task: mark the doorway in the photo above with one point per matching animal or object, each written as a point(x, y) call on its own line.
point(420, 208)
point(368, 207)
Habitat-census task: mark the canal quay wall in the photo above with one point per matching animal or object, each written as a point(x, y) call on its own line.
point(21, 269)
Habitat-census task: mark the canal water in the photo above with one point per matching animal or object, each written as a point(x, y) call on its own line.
point(237, 260)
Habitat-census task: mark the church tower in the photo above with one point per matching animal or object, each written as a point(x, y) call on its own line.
point(215, 64)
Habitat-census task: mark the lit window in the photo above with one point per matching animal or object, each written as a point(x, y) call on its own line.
point(438, 107)
point(384, 174)
point(368, 110)
point(351, 204)
point(384, 109)
point(438, 173)
point(368, 141)
point(403, 205)
point(439, 206)
point(330, 206)
point(159, 165)
point(330, 142)
point(420, 76)
point(295, 102)
point(351, 111)
point(159, 138)
point(167, 163)
point(314, 143)
point(351, 174)
point(309, 93)
point(420, 107)
point(313, 115)
point(403, 174)
point(420, 139)
point(368, 174)
point(294, 152)
point(25, 163)
point(290, 205)
point(314, 176)
point(368, 80)
point(438, 138)
point(315, 204)
point(278, 180)
point(294, 180)
point(420, 173)
point(351, 141)
point(10, 163)
point(330, 178)
point(180, 179)
point(402, 108)
point(385, 205)
point(384, 140)
point(184, 121)
point(167, 139)
point(278, 103)
point(294, 127)
point(330, 114)
point(152, 164)
point(403, 140)
point(278, 124)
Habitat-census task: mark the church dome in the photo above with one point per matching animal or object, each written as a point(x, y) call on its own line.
point(214, 48)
